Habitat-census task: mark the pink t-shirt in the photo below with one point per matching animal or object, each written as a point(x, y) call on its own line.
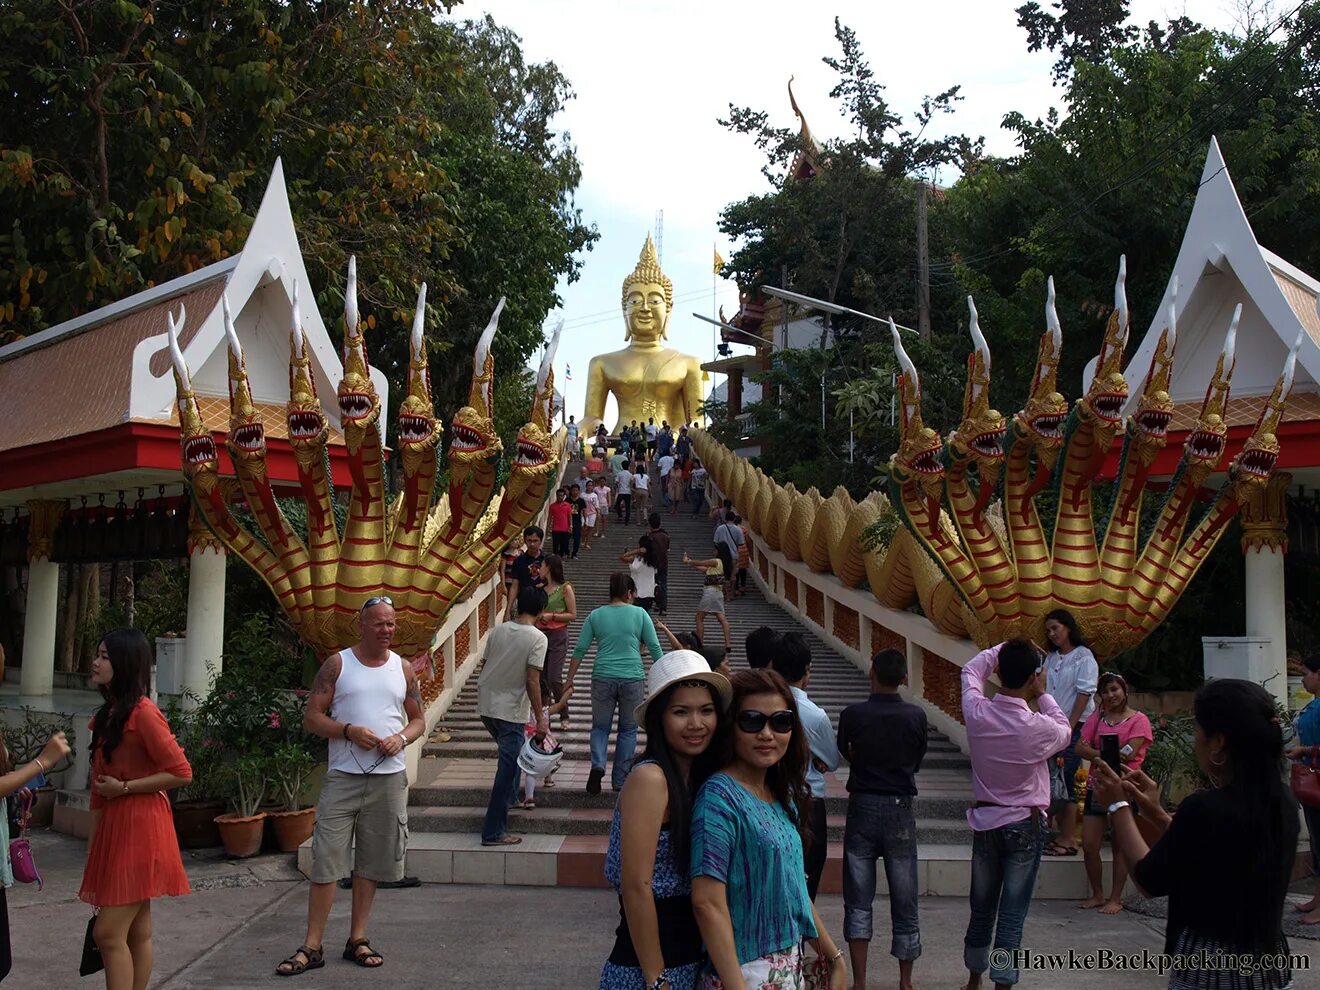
point(1134, 727)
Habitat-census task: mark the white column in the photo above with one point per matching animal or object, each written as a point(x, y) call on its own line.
point(1266, 612)
point(206, 619)
point(39, 628)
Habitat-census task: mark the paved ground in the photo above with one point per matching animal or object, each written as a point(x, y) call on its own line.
point(244, 917)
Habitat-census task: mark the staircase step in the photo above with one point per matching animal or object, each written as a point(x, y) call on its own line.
point(546, 820)
point(943, 869)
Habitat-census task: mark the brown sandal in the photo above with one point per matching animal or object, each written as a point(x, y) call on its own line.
point(353, 953)
point(315, 960)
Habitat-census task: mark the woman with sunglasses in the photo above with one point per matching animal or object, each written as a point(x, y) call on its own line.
point(749, 827)
point(657, 944)
point(1113, 718)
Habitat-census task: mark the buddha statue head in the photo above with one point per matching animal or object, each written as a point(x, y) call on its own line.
point(648, 297)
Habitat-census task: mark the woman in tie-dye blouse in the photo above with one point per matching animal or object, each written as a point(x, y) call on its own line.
point(749, 885)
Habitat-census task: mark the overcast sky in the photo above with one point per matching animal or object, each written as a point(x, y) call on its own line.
point(651, 78)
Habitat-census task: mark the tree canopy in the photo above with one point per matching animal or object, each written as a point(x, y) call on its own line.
point(1113, 170)
point(136, 139)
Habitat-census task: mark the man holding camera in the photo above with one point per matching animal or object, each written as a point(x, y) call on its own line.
point(1008, 744)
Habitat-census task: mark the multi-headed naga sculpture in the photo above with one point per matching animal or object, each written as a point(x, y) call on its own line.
point(421, 551)
point(977, 551)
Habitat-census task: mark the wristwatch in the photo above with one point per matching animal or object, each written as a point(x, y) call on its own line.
point(1118, 804)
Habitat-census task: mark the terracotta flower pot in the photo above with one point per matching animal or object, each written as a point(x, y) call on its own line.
point(241, 836)
point(292, 828)
point(194, 823)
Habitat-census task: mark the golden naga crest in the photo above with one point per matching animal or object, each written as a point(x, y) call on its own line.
point(960, 530)
point(422, 551)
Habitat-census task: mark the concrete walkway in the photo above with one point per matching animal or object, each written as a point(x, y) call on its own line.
point(244, 917)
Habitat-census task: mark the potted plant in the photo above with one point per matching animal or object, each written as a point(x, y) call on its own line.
point(241, 830)
point(291, 766)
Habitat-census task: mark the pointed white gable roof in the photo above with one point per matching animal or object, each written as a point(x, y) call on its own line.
point(259, 286)
point(1220, 264)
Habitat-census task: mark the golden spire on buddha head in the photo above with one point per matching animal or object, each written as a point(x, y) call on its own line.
point(648, 298)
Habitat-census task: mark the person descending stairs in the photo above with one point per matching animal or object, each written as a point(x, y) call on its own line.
point(566, 833)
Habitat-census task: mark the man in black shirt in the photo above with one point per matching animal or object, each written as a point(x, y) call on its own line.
point(660, 539)
point(526, 569)
point(884, 741)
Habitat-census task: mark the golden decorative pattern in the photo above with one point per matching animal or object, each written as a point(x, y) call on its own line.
point(816, 606)
point(1265, 515)
point(941, 684)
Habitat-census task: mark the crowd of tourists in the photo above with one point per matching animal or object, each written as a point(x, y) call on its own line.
point(719, 835)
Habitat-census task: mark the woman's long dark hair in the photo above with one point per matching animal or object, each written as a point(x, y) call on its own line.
point(787, 779)
point(130, 659)
point(650, 555)
point(555, 565)
point(680, 791)
point(1065, 618)
point(1243, 713)
point(726, 558)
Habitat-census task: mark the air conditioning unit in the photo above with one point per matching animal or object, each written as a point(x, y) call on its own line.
point(171, 653)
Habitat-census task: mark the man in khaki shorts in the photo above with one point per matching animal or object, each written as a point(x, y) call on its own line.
point(377, 711)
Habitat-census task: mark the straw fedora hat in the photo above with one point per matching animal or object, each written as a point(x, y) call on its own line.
point(683, 666)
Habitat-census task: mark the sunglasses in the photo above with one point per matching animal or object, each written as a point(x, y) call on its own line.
point(378, 600)
point(751, 721)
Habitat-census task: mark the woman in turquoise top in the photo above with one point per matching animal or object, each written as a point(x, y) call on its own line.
point(749, 827)
point(619, 630)
point(1307, 750)
point(11, 780)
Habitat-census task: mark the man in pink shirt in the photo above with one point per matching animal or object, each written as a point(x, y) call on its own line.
point(1009, 745)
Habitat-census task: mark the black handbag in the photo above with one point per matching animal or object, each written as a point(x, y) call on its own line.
point(91, 954)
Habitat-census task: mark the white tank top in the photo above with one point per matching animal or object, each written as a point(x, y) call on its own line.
point(373, 698)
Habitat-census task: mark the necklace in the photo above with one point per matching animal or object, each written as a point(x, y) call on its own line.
point(1105, 719)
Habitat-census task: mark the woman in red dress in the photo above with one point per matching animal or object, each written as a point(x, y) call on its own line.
point(132, 855)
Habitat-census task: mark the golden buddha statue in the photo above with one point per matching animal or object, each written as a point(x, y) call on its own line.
point(649, 380)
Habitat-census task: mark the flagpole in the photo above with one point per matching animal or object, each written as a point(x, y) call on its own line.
point(714, 313)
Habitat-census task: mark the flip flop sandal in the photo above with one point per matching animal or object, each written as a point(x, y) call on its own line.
point(354, 954)
point(315, 960)
point(507, 840)
point(1058, 849)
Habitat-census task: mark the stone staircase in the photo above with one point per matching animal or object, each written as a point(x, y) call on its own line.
point(565, 836)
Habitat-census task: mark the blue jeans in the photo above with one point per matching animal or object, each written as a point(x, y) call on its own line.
point(698, 496)
point(608, 693)
point(881, 827)
point(504, 792)
point(1004, 865)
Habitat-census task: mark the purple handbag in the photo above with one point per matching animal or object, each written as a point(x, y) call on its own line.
point(21, 862)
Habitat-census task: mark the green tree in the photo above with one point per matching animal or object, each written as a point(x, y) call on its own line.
point(135, 139)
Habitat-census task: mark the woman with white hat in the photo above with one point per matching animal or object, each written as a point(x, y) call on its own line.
point(657, 944)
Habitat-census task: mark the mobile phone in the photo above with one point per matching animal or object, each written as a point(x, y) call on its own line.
point(1109, 752)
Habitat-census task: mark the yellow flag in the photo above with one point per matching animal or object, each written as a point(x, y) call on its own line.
point(719, 263)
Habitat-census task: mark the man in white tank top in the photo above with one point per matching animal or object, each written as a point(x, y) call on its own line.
point(366, 702)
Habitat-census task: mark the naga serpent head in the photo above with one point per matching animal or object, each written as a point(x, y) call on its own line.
point(1205, 444)
point(980, 436)
point(201, 465)
point(917, 458)
point(247, 437)
point(1255, 462)
point(534, 457)
point(1040, 421)
point(309, 430)
point(359, 405)
point(1149, 425)
point(419, 429)
point(1103, 403)
point(473, 437)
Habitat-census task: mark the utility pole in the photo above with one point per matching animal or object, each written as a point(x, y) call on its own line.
point(923, 264)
